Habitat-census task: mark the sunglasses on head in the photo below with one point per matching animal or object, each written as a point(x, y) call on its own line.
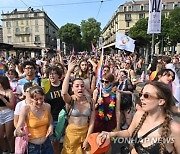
point(146, 95)
point(104, 81)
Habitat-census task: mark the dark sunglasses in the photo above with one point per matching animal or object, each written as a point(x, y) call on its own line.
point(104, 81)
point(146, 95)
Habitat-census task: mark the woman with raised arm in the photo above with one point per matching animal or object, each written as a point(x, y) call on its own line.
point(81, 117)
point(88, 77)
point(107, 105)
point(152, 130)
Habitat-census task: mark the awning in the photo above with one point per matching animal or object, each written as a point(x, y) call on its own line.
point(26, 47)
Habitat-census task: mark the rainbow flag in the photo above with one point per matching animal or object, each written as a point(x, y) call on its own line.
point(99, 70)
point(1, 69)
point(94, 50)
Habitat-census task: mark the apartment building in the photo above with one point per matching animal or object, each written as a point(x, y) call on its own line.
point(1, 34)
point(128, 14)
point(30, 28)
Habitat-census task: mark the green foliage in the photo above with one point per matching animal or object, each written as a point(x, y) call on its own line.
point(71, 35)
point(90, 32)
point(174, 31)
point(139, 32)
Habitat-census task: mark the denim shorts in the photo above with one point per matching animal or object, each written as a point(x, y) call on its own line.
point(53, 136)
point(45, 148)
point(6, 115)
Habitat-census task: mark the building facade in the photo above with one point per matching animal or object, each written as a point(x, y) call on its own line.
point(1, 34)
point(30, 28)
point(128, 14)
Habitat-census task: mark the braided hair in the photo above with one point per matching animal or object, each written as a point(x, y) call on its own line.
point(163, 93)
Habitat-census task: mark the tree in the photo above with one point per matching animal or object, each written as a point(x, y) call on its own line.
point(139, 33)
point(71, 35)
point(90, 32)
point(174, 31)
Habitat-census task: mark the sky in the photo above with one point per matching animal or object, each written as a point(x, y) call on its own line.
point(67, 11)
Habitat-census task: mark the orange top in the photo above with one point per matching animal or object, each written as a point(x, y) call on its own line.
point(37, 127)
point(152, 76)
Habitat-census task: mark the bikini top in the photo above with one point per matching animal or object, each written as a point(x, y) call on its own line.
point(76, 113)
point(152, 149)
point(2, 103)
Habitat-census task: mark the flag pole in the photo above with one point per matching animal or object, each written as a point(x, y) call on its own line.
point(152, 48)
point(102, 53)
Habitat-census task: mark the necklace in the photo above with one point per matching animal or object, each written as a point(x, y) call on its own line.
point(111, 106)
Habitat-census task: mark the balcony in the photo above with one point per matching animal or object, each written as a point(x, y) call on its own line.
point(23, 33)
point(37, 42)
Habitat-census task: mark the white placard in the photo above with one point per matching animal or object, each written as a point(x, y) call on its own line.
point(154, 22)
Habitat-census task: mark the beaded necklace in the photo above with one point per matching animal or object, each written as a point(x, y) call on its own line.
point(111, 106)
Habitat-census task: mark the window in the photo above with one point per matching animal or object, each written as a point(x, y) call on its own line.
point(146, 7)
point(27, 22)
point(127, 17)
point(136, 8)
point(124, 8)
point(9, 39)
point(127, 24)
point(37, 38)
point(130, 8)
point(142, 7)
point(169, 6)
point(27, 29)
point(17, 30)
point(8, 24)
point(141, 15)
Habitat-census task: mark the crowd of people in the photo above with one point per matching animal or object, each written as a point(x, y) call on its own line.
point(122, 101)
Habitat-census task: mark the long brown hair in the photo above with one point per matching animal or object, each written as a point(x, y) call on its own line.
point(165, 93)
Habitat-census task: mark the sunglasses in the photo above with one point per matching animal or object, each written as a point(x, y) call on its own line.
point(147, 96)
point(104, 81)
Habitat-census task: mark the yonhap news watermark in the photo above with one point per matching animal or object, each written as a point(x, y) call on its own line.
point(151, 140)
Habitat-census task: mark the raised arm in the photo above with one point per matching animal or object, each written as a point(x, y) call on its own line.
point(65, 86)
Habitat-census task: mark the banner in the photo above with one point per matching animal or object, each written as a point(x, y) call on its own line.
point(154, 22)
point(58, 45)
point(124, 42)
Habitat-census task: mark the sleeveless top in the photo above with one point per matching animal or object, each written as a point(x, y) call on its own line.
point(2, 104)
point(37, 127)
point(76, 113)
point(152, 149)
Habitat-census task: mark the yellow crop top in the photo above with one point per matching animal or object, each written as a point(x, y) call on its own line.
point(37, 127)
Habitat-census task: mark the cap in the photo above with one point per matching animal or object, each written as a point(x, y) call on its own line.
point(95, 148)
